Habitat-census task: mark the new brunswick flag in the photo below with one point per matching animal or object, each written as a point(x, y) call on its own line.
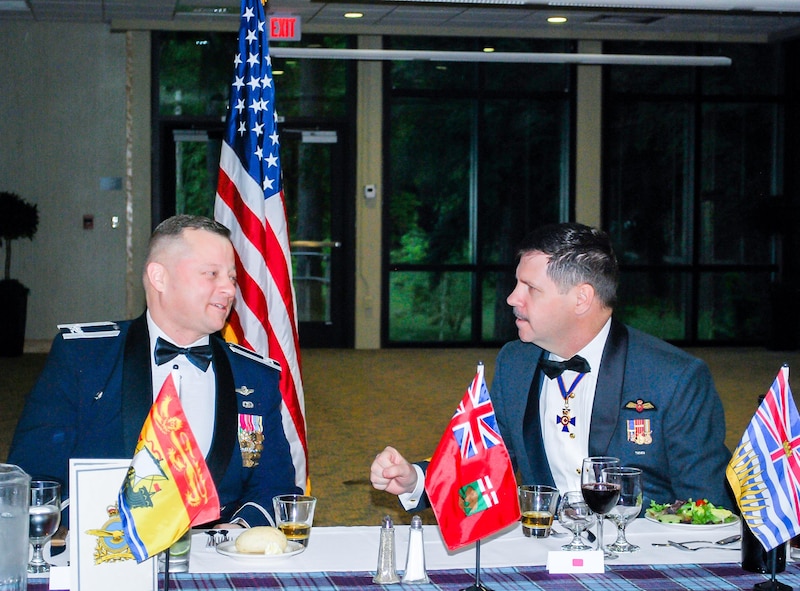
point(470, 481)
point(168, 487)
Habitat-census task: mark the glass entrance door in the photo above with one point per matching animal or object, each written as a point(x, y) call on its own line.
point(312, 164)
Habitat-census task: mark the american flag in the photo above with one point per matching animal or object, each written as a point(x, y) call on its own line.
point(250, 202)
point(764, 471)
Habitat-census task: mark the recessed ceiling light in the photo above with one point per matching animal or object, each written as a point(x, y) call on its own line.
point(556, 20)
point(353, 14)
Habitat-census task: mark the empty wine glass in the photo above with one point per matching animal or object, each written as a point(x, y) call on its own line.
point(45, 516)
point(575, 515)
point(601, 496)
point(628, 506)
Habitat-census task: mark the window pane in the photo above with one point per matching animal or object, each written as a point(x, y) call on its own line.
point(654, 302)
point(497, 319)
point(734, 306)
point(756, 70)
point(196, 69)
point(312, 87)
point(648, 207)
point(650, 79)
point(430, 181)
point(523, 163)
point(738, 173)
point(540, 78)
point(195, 73)
point(427, 306)
point(430, 75)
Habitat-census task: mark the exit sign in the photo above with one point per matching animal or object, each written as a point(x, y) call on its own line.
point(284, 28)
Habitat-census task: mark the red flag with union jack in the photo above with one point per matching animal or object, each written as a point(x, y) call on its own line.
point(250, 203)
point(470, 480)
point(764, 471)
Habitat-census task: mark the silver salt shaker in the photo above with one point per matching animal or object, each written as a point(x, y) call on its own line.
point(415, 559)
point(387, 572)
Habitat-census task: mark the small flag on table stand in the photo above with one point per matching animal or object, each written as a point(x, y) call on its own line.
point(764, 473)
point(470, 480)
point(168, 487)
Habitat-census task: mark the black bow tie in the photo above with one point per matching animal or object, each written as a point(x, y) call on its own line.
point(553, 369)
point(199, 356)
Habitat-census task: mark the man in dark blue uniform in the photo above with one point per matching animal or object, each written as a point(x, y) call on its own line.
point(100, 379)
point(579, 383)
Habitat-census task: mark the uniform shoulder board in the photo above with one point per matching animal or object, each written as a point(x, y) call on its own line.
point(89, 330)
point(245, 352)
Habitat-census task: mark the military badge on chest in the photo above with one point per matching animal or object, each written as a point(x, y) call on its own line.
point(639, 430)
point(251, 439)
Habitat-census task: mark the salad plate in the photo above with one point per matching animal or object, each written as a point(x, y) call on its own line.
point(229, 549)
point(733, 519)
point(694, 515)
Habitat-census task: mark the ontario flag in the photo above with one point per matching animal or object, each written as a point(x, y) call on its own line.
point(168, 487)
point(764, 471)
point(250, 203)
point(470, 481)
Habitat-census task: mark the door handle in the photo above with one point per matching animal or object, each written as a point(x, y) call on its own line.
point(315, 244)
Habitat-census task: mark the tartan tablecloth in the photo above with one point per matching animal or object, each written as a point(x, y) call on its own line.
point(344, 559)
point(690, 577)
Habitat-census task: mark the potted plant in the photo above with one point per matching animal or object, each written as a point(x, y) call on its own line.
point(18, 219)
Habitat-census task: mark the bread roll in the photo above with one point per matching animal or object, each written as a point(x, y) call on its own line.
point(261, 540)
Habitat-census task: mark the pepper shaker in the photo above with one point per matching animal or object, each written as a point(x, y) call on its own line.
point(415, 558)
point(386, 573)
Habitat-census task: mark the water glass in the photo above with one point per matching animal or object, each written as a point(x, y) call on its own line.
point(628, 506)
point(179, 554)
point(14, 501)
point(294, 516)
point(44, 515)
point(575, 515)
point(537, 502)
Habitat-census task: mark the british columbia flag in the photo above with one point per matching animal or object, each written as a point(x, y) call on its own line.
point(471, 453)
point(764, 471)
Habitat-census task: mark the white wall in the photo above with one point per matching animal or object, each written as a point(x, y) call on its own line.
point(62, 130)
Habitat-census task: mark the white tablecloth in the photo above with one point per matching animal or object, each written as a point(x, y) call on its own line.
point(356, 549)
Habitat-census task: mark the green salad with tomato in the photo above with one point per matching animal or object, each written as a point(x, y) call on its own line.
point(700, 512)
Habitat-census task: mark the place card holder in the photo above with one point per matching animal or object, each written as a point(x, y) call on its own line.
point(99, 557)
point(570, 562)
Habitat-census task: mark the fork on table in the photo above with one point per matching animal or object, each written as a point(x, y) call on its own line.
point(216, 537)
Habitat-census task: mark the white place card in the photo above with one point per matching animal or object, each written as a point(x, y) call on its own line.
point(99, 557)
point(583, 561)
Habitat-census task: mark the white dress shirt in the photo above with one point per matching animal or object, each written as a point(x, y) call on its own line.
point(197, 388)
point(566, 449)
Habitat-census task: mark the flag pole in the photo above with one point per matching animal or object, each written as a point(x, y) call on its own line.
point(166, 569)
point(772, 584)
point(477, 585)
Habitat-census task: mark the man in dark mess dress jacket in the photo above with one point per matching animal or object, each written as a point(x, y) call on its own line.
point(681, 454)
point(622, 393)
point(96, 390)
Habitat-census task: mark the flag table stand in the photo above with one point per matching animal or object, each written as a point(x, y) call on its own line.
point(166, 569)
point(773, 584)
point(477, 585)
